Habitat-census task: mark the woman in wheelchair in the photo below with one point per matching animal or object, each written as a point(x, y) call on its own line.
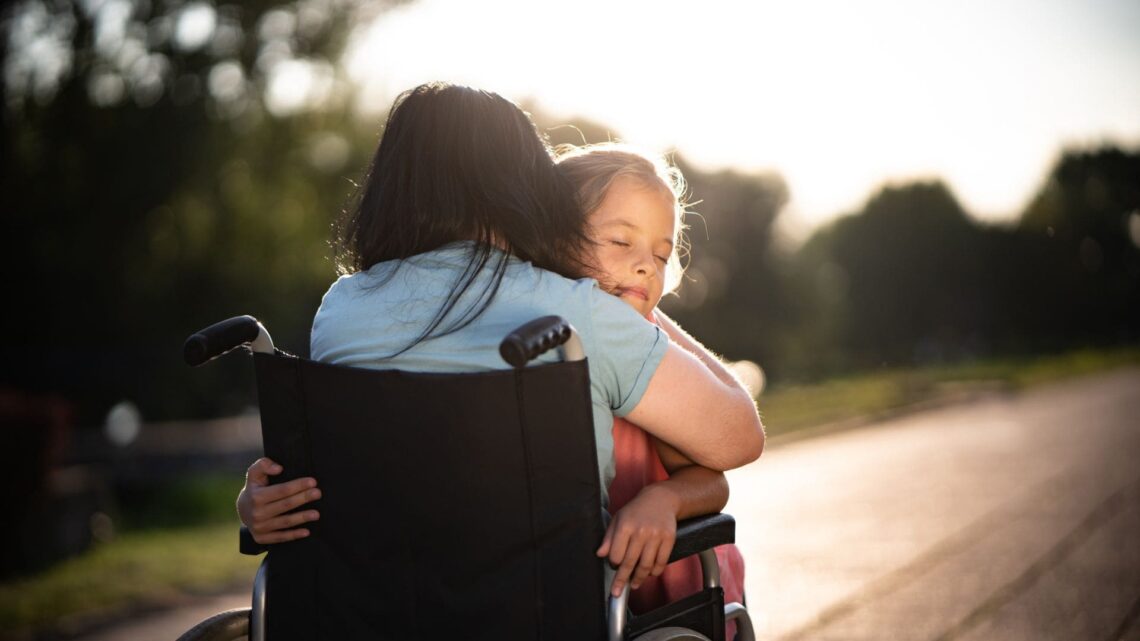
point(464, 228)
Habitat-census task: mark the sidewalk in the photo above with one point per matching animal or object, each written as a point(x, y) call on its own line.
point(1010, 518)
point(167, 625)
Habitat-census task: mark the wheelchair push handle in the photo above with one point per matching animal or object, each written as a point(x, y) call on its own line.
point(539, 336)
point(225, 336)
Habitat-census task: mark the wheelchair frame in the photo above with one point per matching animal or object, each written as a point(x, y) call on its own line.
point(694, 536)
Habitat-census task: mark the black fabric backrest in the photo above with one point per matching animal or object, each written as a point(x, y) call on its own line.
point(454, 506)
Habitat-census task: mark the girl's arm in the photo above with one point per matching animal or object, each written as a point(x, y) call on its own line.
point(698, 490)
point(264, 508)
point(641, 535)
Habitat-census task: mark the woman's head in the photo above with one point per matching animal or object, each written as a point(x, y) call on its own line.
point(635, 215)
point(462, 164)
point(456, 163)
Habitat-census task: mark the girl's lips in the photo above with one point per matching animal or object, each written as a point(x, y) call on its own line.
point(639, 292)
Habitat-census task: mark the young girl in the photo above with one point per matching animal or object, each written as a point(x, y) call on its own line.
point(634, 214)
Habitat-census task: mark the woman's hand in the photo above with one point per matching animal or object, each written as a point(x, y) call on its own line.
point(640, 537)
point(262, 507)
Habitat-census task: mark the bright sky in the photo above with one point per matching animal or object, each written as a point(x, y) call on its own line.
point(837, 96)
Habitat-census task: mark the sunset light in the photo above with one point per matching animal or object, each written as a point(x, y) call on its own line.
point(836, 97)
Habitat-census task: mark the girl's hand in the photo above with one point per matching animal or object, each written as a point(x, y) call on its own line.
point(262, 507)
point(640, 537)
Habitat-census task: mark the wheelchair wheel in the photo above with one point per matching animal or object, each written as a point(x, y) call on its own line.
point(672, 634)
point(230, 625)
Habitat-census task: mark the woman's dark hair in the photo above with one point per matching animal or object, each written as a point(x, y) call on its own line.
point(456, 163)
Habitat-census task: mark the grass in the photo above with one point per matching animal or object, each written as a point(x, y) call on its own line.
point(137, 569)
point(176, 538)
point(792, 408)
point(181, 539)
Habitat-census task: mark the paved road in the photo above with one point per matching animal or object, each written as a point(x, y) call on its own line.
point(1010, 518)
point(168, 625)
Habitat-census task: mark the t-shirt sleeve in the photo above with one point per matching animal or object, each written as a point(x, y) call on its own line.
point(626, 350)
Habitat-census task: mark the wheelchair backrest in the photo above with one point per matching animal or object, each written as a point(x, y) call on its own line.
point(454, 506)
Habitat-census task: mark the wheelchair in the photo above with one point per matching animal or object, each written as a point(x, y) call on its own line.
point(485, 504)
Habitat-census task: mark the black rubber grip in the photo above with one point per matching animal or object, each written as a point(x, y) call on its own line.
point(534, 338)
point(219, 338)
point(701, 533)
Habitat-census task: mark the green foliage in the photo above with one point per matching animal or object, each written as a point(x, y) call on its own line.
point(132, 220)
point(193, 501)
point(911, 279)
point(144, 568)
point(1083, 229)
point(904, 274)
point(155, 184)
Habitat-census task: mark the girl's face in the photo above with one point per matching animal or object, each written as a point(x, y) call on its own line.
point(634, 229)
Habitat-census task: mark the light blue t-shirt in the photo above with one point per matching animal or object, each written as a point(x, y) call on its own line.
point(368, 316)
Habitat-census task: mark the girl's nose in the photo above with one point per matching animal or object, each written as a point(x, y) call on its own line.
point(644, 264)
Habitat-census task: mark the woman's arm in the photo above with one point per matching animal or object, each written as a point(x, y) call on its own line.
point(694, 403)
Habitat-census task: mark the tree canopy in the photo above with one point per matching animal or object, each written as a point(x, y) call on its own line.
point(169, 164)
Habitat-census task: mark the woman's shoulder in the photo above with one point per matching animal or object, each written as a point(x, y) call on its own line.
point(577, 296)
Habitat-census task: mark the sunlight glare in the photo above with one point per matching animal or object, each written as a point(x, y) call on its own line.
point(195, 27)
point(836, 97)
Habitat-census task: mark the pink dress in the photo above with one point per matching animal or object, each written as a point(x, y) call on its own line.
point(637, 465)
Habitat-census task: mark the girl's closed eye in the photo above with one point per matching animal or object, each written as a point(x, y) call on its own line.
point(619, 243)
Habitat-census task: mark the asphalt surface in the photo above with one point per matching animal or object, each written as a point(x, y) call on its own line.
point(1010, 518)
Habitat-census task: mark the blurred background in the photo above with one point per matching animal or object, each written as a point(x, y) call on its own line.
point(893, 203)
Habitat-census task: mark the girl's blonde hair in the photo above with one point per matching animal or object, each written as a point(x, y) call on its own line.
point(592, 169)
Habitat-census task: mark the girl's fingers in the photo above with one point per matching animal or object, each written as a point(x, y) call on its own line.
point(297, 487)
point(604, 548)
point(290, 503)
point(663, 553)
point(283, 536)
point(619, 544)
point(627, 567)
point(646, 561)
point(286, 521)
point(261, 470)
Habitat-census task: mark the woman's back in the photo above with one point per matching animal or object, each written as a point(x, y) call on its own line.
point(373, 318)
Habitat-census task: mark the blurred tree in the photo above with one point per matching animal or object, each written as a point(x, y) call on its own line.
point(734, 295)
point(164, 164)
point(912, 279)
point(899, 282)
point(1081, 235)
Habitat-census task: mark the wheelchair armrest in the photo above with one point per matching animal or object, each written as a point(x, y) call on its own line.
point(701, 533)
point(246, 544)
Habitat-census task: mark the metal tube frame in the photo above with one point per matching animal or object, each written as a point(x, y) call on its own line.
point(257, 611)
